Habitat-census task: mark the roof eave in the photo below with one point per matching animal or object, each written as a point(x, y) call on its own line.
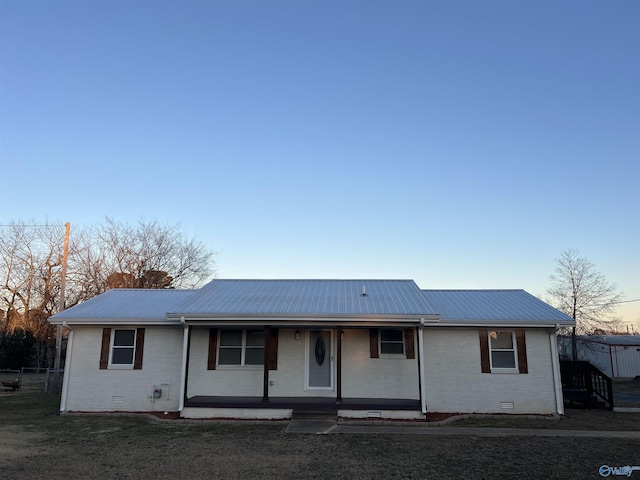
point(115, 321)
point(504, 323)
point(302, 320)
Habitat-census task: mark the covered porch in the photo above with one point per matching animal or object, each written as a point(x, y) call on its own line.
point(284, 408)
point(364, 371)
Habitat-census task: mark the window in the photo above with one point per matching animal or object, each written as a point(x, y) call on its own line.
point(122, 348)
point(502, 348)
point(392, 342)
point(241, 347)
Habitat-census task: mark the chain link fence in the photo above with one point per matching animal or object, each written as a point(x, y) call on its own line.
point(53, 382)
point(48, 380)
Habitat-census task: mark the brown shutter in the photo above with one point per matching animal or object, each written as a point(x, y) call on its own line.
point(137, 362)
point(213, 347)
point(409, 344)
point(273, 348)
point(522, 351)
point(484, 351)
point(104, 351)
point(373, 343)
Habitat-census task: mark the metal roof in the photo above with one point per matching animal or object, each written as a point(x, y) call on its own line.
point(492, 305)
point(124, 303)
point(306, 297)
point(618, 340)
point(253, 299)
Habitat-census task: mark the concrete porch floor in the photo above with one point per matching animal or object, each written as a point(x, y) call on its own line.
point(327, 404)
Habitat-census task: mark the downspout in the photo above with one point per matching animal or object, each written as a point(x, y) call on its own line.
point(183, 374)
point(423, 399)
point(555, 368)
point(67, 368)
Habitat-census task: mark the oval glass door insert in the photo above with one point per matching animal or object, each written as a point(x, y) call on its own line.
point(320, 350)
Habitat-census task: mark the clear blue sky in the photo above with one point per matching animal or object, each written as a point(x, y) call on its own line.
point(462, 144)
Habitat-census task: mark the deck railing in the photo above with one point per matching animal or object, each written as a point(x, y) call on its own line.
point(582, 375)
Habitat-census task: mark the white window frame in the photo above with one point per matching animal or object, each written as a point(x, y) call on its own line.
point(243, 348)
point(514, 343)
point(380, 342)
point(112, 347)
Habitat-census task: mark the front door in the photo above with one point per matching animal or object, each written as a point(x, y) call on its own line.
point(319, 359)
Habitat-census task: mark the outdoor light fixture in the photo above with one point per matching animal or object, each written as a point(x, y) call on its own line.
point(297, 334)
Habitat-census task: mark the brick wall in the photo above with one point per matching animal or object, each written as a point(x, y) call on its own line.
point(454, 382)
point(91, 389)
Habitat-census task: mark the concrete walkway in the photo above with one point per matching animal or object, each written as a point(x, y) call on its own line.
point(317, 426)
point(481, 432)
point(325, 427)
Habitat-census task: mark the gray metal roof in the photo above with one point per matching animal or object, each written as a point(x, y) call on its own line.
point(306, 297)
point(492, 305)
point(628, 340)
point(122, 303)
point(313, 299)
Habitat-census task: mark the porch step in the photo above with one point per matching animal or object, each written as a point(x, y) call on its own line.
point(320, 422)
point(300, 414)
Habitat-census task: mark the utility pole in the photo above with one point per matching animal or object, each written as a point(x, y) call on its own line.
point(63, 281)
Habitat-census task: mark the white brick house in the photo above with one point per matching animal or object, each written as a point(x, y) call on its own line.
point(263, 348)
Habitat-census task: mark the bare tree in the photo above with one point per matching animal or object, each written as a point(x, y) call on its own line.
point(30, 263)
point(583, 293)
point(151, 255)
point(147, 255)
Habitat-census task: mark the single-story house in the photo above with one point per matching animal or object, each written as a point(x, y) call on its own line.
point(263, 349)
point(615, 355)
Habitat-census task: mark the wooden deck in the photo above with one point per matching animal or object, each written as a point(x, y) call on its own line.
point(304, 403)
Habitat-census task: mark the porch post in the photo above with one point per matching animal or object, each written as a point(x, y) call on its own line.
point(265, 377)
point(339, 365)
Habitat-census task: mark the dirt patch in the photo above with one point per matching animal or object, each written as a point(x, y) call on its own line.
point(17, 445)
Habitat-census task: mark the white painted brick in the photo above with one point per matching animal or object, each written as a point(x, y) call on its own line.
point(385, 377)
point(237, 381)
point(362, 377)
point(93, 390)
point(454, 381)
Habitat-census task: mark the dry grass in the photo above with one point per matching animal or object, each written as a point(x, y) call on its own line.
point(574, 419)
point(49, 446)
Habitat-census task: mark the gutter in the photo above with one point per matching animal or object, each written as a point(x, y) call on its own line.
point(501, 323)
point(183, 374)
point(307, 319)
point(116, 321)
point(423, 399)
point(67, 368)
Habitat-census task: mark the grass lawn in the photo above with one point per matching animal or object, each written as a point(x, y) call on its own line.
point(574, 419)
point(35, 443)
